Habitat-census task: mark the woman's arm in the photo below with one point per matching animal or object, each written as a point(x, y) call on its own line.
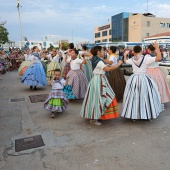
point(84, 61)
point(158, 53)
point(125, 57)
point(107, 61)
point(112, 67)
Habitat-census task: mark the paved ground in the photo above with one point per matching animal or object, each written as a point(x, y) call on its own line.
point(70, 142)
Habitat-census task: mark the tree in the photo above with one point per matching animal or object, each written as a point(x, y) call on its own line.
point(65, 45)
point(3, 35)
point(51, 47)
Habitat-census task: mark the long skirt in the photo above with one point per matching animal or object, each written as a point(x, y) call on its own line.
point(34, 76)
point(161, 82)
point(117, 82)
point(87, 68)
point(44, 66)
point(66, 70)
point(24, 65)
point(50, 69)
point(77, 85)
point(99, 101)
point(141, 98)
point(56, 101)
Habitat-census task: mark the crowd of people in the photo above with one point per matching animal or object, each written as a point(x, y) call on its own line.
point(79, 74)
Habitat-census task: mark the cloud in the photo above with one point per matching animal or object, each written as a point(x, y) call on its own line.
point(40, 18)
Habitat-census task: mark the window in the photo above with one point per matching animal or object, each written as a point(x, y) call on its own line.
point(162, 25)
point(97, 41)
point(104, 33)
point(97, 35)
point(104, 40)
point(148, 24)
point(147, 34)
point(168, 25)
point(110, 39)
point(109, 32)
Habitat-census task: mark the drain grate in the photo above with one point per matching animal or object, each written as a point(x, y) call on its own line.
point(17, 100)
point(28, 143)
point(38, 98)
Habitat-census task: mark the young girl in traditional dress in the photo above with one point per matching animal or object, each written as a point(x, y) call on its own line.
point(99, 101)
point(158, 76)
point(115, 77)
point(141, 98)
point(56, 102)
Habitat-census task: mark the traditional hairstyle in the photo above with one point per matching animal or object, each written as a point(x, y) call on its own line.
point(84, 47)
point(95, 49)
point(76, 51)
point(151, 47)
point(71, 45)
point(113, 49)
point(34, 48)
point(137, 49)
point(57, 70)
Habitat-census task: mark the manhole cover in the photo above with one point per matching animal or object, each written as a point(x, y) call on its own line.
point(38, 98)
point(17, 100)
point(28, 143)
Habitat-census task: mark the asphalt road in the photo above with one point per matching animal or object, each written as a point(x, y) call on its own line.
point(71, 143)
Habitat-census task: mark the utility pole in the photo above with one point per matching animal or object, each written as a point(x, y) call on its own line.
point(18, 7)
point(147, 6)
point(72, 36)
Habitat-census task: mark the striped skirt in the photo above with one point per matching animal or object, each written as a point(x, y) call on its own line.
point(160, 80)
point(99, 101)
point(56, 101)
point(87, 68)
point(141, 98)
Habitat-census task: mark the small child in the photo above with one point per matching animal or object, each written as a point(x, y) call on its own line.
point(56, 101)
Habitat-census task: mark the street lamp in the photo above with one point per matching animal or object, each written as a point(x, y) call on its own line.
point(18, 7)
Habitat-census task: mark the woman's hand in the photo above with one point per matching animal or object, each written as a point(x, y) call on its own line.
point(155, 45)
point(120, 62)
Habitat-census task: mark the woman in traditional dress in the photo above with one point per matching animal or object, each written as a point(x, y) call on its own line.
point(87, 68)
point(34, 76)
point(54, 64)
point(100, 101)
point(24, 65)
point(115, 77)
point(141, 98)
point(67, 60)
point(158, 76)
point(77, 81)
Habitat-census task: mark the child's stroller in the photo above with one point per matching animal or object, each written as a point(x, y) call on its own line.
point(3, 66)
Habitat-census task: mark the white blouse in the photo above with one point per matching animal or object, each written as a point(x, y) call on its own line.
point(152, 65)
point(99, 68)
point(75, 64)
point(55, 58)
point(114, 59)
point(143, 67)
point(58, 85)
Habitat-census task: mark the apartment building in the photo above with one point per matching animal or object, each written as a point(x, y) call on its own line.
point(146, 25)
point(102, 33)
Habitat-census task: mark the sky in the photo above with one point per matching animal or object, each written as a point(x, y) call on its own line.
point(70, 19)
